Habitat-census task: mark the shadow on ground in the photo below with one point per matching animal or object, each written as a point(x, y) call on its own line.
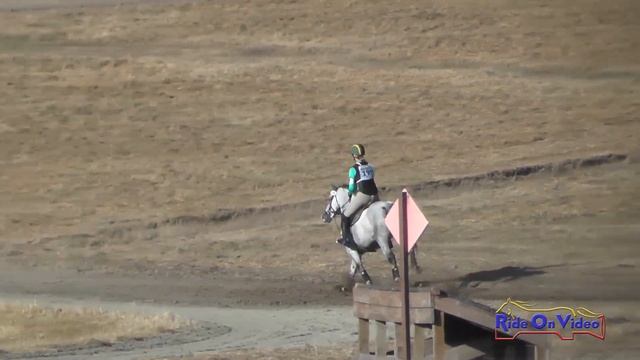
point(505, 273)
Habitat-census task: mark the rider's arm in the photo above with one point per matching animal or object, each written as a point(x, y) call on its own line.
point(352, 180)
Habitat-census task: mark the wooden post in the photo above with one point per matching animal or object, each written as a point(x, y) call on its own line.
point(363, 336)
point(381, 339)
point(399, 350)
point(419, 351)
point(439, 345)
point(405, 330)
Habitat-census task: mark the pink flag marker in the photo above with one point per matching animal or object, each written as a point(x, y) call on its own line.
point(416, 222)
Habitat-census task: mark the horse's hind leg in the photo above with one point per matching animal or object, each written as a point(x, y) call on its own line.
point(391, 258)
point(414, 261)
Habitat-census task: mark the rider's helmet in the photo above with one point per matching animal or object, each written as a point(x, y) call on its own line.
point(357, 150)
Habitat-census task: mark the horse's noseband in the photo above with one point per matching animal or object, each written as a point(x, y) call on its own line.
point(330, 213)
point(326, 217)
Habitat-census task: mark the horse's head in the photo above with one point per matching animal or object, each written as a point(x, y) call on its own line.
point(332, 208)
point(335, 204)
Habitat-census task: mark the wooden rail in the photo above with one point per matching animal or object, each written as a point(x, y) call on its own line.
point(430, 309)
point(383, 306)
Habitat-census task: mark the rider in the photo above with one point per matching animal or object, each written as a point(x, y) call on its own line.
point(362, 184)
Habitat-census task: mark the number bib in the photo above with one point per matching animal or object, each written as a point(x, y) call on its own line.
point(366, 172)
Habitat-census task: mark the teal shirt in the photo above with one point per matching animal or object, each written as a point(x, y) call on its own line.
point(361, 179)
point(352, 180)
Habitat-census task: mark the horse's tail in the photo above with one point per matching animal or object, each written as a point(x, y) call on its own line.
point(385, 209)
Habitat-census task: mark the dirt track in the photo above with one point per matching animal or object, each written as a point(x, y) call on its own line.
point(34, 5)
point(221, 329)
point(138, 141)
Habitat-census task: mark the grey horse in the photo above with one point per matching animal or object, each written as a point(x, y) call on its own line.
point(369, 233)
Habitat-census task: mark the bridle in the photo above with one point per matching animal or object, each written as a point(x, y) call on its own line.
point(330, 212)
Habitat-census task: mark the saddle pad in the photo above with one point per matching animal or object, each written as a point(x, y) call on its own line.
point(356, 216)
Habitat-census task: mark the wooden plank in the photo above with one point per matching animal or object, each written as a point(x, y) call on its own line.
point(467, 311)
point(510, 353)
point(480, 315)
point(373, 357)
point(419, 349)
point(399, 348)
point(392, 314)
point(439, 345)
point(419, 308)
point(417, 297)
point(363, 335)
point(464, 352)
point(541, 353)
point(381, 340)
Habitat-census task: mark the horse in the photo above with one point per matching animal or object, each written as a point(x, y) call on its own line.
point(369, 233)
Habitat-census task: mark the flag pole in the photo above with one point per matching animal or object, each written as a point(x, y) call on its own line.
point(405, 331)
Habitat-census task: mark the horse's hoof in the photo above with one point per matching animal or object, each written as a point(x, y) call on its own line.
point(368, 282)
point(396, 279)
point(396, 274)
point(418, 270)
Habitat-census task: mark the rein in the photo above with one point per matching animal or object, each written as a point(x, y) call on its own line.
point(337, 226)
point(337, 212)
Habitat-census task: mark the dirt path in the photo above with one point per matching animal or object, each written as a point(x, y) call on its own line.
point(234, 328)
point(26, 5)
point(220, 289)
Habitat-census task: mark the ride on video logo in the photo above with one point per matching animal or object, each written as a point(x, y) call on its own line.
point(514, 318)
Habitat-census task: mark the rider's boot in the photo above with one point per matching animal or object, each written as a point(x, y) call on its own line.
point(347, 238)
point(341, 239)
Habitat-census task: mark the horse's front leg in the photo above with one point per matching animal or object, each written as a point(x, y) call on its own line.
point(352, 269)
point(350, 279)
point(365, 276)
point(357, 260)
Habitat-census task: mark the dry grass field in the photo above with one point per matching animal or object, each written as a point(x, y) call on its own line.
point(157, 111)
point(30, 327)
point(181, 152)
point(305, 353)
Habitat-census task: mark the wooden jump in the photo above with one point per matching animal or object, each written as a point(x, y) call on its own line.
point(429, 311)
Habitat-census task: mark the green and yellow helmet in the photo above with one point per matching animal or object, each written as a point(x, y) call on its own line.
point(357, 150)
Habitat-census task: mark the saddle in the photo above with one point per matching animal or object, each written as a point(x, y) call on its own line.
point(374, 245)
point(356, 216)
